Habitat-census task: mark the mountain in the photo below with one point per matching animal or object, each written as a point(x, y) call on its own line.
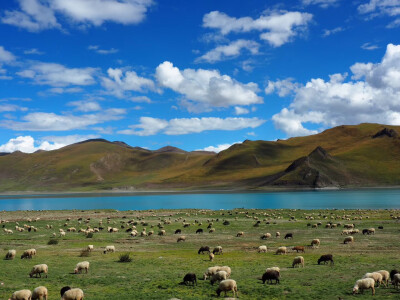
point(365, 155)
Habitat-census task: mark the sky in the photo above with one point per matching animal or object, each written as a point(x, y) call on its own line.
point(198, 74)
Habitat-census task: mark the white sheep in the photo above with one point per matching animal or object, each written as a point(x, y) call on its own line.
point(21, 295)
point(281, 250)
point(396, 280)
point(109, 249)
point(90, 248)
point(273, 269)
point(315, 243)
point(84, 265)
point(219, 276)
point(11, 254)
point(364, 284)
point(226, 269)
point(40, 293)
point(39, 269)
point(182, 238)
point(298, 260)
point(62, 233)
point(73, 294)
point(211, 256)
point(385, 276)
point(348, 239)
point(240, 233)
point(210, 272)
point(262, 249)
point(377, 277)
point(277, 234)
point(217, 250)
point(226, 286)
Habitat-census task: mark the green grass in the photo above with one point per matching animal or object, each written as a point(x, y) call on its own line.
point(159, 263)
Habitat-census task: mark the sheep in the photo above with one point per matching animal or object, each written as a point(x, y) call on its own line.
point(84, 265)
point(190, 278)
point(182, 238)
point(240, 233)
point(269, 275)
point(211, 256)
point(217, 250)
point(266, 236)
point(109, 249)
point(204, 249)
point(392, 273)
point(62, 233)
point(315, 243)
point(226, 269)
point(371, 230)
point(178, 231)
point(298, 260)
point(281, 250)
point(21, 295)
point(348, 239)
point(298, 249)
point(377, 277)
point(212, 230)
point(385, 276)
point(64, 289)
point(40, 293)
point(218, 277)
point(277, 234)
point(364, 284)
point(210, 272)
point(39, 269)
point(90, 248)
point(11, 254)
point(262, 249)
point(199, 230)
point(288, 236)
point(227, 285)
point(73, 294)
point(27, 254)
point(325, 258)
point(396, 280)
point(162, 232)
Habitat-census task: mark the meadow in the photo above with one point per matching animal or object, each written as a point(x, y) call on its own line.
point(159, 263)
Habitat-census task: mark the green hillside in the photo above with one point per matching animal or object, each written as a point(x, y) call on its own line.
point(345, 156)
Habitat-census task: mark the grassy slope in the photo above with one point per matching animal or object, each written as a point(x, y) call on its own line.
point(100, 165)
point(159, 263)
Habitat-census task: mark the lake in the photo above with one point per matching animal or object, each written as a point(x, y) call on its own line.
point(321, 199)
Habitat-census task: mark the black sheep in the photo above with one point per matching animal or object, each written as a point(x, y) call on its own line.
point(325, 258)
point(64, 289)
point(199, 230)
point(178, 231)
point(204, 249)
point(271, 275)
point(190, 278)
point(288, 236)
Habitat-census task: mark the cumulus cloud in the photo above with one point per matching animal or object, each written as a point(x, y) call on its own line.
point(40, 121)
point(97, 49)
point(28, 144)
point(151, 126)
point(277, 27)
point(118, 82)
point(231, 50)
point(85, 106)
point(241, 110)
point(58, 75)
point(283, 87)
point(218, 148)
point(37, 15)
point(207, 87)
point(6, 56)
point(371, 95)
point(321, 3)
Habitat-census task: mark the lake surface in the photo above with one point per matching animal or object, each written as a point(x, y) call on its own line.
point(341, 199)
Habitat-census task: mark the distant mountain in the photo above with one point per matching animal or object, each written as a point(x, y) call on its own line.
point(366, 155)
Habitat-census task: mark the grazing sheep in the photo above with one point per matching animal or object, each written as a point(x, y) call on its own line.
point(364, 284)
point(210, 272)
point(266, 236)
point(204, 249)
point(262, 249)
point(288, 236)
point(39, 269)
point(109, 249)
point(28, 253)
point(212, 230)
point(90, 248)
point(190, 278)
point(385, 276)
point(271, 274)
point(377, 277)
point(277, 234)
point(211, 256)
point(182, 238)
point(371, 230)
point(396, 280)
point(325, 258)
point(199, 230)
point(217, 250)
point(21, 295)
point(178, 231)
point(298, 249)
point(240, 233)
point(226, 286)
point(298, 260)
point(162, 232)
point(40, 293)
point(11, 254)
point(64, 289)
point(348, 239)
point(226, 269)
point(281, 250)
point(84, 265)
point(73, 294)
point(218, 277)
point(315, 243)
point(392, 273)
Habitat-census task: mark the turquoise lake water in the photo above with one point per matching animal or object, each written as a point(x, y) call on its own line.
point(340, 199)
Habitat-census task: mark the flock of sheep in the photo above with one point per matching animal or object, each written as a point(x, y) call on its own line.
point(216, 274)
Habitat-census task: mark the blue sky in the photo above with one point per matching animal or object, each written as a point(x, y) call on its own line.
point(199, 74)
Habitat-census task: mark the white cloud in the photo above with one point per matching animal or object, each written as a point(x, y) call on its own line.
point(37, 15)
point(6, 56)
point(11, 107)
point(139, 99)
point(328, 32)
point(372, 95)
point(321, 3)
point(85, 106)
point(207, 87)
point(118, 82)
point(241, 110)
point(28, 144)
point(102, 51)
point(59, 90)
point(375, 8)
point(278, 27)
point(151, 126)
point(58, 75)
point(33, 51)
point(40, 121)
point(369, 46)
point(218, 148)
point(231, 50)
point(283, 87)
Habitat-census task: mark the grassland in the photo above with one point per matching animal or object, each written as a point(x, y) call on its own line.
point(159, 262)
